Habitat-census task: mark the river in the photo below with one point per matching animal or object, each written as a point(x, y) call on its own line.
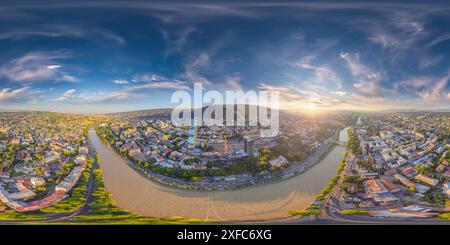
point(137, 194)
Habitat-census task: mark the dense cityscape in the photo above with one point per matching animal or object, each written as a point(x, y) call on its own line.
point(219, 157)
point(395, 167)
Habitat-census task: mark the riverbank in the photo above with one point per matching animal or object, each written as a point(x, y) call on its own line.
point(135, 193)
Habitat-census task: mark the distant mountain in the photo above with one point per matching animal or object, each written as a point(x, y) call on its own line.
point(162, 113)
point(413, 110)
point(8, 110)
point(166, 112)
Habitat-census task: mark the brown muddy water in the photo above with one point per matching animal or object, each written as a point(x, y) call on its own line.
point(137, 194)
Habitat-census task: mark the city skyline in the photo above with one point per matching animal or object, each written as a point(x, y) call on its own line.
point(100, 57)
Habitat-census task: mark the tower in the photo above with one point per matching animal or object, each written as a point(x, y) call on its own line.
point(192, 139)
point(249, 146)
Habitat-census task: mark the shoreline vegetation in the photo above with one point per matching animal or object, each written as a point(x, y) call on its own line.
point(333, 182)
point(309, 211)
point(354, 212)
point(281, 175)
point(314, 209)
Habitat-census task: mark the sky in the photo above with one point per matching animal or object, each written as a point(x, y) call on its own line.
point(108, 56)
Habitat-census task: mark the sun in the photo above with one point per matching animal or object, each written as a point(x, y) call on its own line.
point(311, 106)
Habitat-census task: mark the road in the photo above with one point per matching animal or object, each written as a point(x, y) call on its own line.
point(330, 216)
point(334, 216)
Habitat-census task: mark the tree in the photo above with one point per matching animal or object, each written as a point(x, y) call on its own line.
point(447, 203)
point(420, 168)
point(372, 129)
point(353, 142)
point(38, 170)
point(195, 179)
point(263, 158)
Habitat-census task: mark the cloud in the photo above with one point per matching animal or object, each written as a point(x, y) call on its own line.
point(65, 96)
point(429, 61)
point(292, 98)
point(68, 78)
point(233, 82)
point(403, 32)
point(384, 39)
point(201, 62)
point(70, 96)
point(368, 80)
point(195, 64)
point(100, 97)
point(439, 39)
point(155, 81)
point(37, 67)
point(121, 81)
point(193, 12)
point(322, 74)
point(167, 85)
point(107, 35)
point(428, 89)
point(339, 93)
point(397, 29)
point(367, 98)
point(370, 88)
point(8, 94)
point(148, 77)
point(18, 95)
point(58, 31)
point(176, 43)
point(54, 67)
point(437, 92)
point(356, 68)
